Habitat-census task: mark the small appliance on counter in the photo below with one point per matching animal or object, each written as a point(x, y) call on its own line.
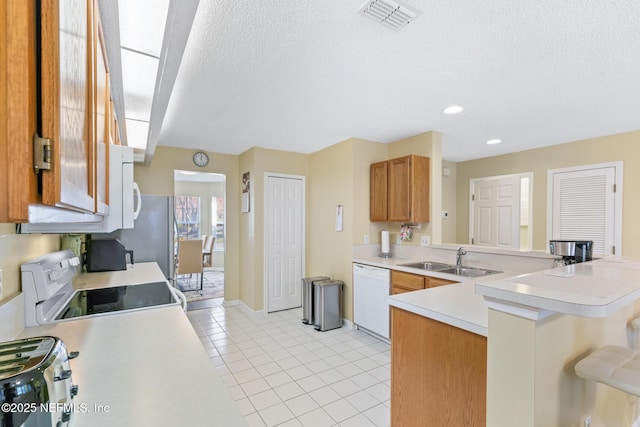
point(107, 255)
point(36, 382)
point(47, 283)
point(571, 251)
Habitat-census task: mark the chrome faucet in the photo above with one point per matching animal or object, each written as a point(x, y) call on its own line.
point(459, 255)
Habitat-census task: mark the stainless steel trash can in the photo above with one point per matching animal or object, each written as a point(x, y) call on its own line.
point(307, 298)
point(328, 304)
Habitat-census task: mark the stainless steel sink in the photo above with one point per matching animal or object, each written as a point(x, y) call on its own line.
point(427, 265)
point(469, 271)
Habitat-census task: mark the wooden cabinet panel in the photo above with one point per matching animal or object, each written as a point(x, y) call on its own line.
point(438, 373)
point(65, 90)
point(436, 281)
point(378, 191)
point(18, 111)
point(59, 90)
point(101, 106)
point(403, 193)
point(400, 189)
point(407, 280)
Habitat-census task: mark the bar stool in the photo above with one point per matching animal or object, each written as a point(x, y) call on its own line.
point(617, 367)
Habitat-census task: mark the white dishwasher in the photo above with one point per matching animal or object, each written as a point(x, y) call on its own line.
point(371, 287)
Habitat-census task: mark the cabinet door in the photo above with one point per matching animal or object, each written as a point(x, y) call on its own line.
point(65, 91)
point(399, 189)
point(18, 112)
point(378, 192)
point(102, 107)
point(435, 281)
point(406, 281)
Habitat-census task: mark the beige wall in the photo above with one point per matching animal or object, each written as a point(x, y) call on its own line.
point(257, 161)
point(622, 147)
point(449, 188)
point(158, 179)
point(15, 250)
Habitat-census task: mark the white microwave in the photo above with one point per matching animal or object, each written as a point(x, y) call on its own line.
point(124, 203)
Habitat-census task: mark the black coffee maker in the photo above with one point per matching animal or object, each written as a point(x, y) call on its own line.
point(572, 251)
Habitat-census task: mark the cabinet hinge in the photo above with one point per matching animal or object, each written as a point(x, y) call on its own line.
point(473, 197)
point(41, 153)
point(614, 188)
point(613, 250)
point(472, 241)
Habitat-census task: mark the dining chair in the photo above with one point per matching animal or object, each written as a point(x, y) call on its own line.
point(190, 258)
point(207, 251)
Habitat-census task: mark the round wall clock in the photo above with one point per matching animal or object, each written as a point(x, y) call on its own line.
point(200, 159)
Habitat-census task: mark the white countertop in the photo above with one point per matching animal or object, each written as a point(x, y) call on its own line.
point(456, 304)
point(592, 289)
point(147, 367)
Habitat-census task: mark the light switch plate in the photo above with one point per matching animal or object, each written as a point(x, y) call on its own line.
point(425, 240)
point(366, 239)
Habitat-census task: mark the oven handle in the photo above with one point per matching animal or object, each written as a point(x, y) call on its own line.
point(181, 297)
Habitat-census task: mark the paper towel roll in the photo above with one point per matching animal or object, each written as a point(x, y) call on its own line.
point(385, 242)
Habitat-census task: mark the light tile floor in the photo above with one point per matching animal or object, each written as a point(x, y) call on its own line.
point(282, 372)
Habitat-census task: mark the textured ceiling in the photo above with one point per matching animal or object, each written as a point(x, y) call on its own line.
point(303, 75)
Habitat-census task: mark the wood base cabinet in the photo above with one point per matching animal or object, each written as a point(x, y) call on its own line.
point(438, 373)
point(407, 282)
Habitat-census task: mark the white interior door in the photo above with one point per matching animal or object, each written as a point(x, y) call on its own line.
point(284, 242)
point(496, 212)
point(583, 206)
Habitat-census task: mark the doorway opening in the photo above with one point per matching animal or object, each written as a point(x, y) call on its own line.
point(500, 211)
point(200, 212)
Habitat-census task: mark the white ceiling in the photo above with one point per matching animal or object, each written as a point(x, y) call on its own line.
point(303, 75)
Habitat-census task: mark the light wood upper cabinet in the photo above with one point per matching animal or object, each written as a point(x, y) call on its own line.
point(101, 106)
point(18, 109)
point(54, 79)
point(403, 193)
point(378, 191)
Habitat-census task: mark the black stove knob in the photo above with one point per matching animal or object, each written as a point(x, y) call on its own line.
point(63, 375)
point(66, 416)
point(73, 354)
point(74, 391)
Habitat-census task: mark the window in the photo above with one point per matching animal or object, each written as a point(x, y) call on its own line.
point(187, 211)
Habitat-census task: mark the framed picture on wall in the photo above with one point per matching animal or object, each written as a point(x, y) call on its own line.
point(246, 185)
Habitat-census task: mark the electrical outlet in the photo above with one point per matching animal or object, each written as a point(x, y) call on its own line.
point(425, 240)
point(398, 240)
point(366, 239)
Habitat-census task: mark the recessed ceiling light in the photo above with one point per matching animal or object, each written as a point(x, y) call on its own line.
point(494, 141)
point(453, 109)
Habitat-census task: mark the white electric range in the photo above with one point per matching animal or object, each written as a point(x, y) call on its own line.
point(47, 283)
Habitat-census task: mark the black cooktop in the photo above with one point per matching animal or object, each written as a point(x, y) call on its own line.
point(118, 298)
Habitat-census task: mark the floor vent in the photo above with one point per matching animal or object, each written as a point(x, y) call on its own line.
point(393, 14)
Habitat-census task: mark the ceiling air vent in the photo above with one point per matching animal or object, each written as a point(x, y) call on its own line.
point(394, 14)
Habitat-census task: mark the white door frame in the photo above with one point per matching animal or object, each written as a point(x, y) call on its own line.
point(472, 183)
point(617, 230)
point(266, 223)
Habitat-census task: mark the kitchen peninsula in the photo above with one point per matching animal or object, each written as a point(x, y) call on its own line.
point(540, 324)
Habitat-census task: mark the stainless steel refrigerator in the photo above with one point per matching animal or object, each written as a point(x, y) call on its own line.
point(151, 237)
